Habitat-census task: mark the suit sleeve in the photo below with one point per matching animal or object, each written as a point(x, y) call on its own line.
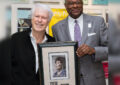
point(102, 50)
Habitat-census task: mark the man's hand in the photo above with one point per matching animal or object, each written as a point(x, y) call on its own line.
point(85, 50)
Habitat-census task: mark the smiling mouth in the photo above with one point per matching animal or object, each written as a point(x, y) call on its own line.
point(76, 10)
point(40, 25)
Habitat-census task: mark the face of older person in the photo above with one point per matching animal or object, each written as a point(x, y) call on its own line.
point(58, 65)
point(74, 8)
point(40, 20)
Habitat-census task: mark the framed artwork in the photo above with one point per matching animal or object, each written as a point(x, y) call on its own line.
point(21, 17)
point(57, 63)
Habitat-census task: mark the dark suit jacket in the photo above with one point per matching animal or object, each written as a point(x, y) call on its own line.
point(23, 59)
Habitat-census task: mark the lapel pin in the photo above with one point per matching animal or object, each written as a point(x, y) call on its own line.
point(89, 25)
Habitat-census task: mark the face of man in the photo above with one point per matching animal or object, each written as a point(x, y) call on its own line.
point(74, 8)
point(58, 65)
point(40, 20)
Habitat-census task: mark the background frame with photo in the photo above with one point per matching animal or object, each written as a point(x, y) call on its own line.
point(21, 17)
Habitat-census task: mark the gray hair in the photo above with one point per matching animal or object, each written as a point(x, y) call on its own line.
point(45, 7)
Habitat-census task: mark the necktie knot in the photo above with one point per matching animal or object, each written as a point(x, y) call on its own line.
point(76, 21)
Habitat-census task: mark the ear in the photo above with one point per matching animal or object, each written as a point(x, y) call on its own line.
point(82, 2)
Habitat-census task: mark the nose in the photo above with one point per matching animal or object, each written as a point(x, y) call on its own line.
point(74, 5)
point(39, 19)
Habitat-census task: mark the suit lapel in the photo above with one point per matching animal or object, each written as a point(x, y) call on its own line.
point(85, 28)
point(65, 30)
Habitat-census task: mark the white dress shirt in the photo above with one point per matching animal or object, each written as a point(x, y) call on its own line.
point(33, 40)
point(71, 24)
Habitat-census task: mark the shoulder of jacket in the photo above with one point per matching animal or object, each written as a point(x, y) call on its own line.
point(60, 22)
point(20, 34)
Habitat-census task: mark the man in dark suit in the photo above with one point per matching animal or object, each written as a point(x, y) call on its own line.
point(24, 47)
point(91, 34)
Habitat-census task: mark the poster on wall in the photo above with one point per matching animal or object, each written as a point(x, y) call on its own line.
point(23, 19)
point(58, 15)
point(100, 2)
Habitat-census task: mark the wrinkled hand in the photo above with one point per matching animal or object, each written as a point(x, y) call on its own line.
point(85, 50)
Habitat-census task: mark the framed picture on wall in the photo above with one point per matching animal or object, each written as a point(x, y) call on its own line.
point(57, 63)
point(21, 17)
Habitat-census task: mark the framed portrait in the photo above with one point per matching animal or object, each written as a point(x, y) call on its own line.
point(57, 63)
point(58, 60)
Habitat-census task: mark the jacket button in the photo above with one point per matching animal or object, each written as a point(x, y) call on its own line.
point(81, 75)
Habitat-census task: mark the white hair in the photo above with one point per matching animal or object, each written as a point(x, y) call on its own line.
point(44, 7)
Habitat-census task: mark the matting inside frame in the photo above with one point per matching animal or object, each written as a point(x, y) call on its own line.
point(56, 72)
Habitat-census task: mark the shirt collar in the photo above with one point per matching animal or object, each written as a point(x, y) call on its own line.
point(33, 38)
point(79, 19)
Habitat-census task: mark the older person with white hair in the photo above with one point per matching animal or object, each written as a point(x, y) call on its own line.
point(24, 47)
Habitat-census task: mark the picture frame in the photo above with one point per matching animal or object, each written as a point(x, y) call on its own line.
point(58, 63)
point(21, 17)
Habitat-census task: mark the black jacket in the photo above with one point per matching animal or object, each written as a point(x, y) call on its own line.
point(5, 62)
point(23, 59)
